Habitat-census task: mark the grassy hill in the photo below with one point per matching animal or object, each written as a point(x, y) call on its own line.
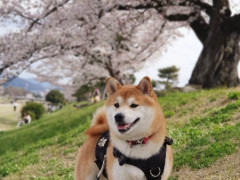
point(205, 126)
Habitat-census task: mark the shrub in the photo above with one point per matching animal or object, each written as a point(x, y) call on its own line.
point(35, 110)
point(32, 115)
point(55, 97)
point(233, 95)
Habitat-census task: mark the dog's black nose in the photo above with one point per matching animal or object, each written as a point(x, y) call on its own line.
point(119, 118)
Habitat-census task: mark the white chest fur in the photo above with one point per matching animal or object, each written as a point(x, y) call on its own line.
point(127, 172)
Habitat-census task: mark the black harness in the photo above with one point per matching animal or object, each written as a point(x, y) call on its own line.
point(152, 167)
point(101, 151)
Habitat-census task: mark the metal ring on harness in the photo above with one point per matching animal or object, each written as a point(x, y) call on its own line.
point(155, 176)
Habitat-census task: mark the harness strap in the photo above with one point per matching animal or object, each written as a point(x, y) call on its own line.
point(152, 167)
point(102, 168)
point(100, 154)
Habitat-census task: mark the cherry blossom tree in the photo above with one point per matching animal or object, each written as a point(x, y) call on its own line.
point(216, 24)
point(21, 48)
point(218, 29)
point(78, 41)
point(117, 48)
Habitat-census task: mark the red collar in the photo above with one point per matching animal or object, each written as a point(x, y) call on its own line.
point(140, 141)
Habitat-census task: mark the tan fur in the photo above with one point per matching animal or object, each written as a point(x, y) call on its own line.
point(86, 156)
point(169, 163)
point(110, 161)
point(99, 123)
point(85, 166)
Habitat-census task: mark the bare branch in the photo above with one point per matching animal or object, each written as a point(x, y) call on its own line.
point(154, 4)
point(180, 17)
point(52, 10)
point(221, 5)
point(204, 6)
point(26, 17)
point(200, 27)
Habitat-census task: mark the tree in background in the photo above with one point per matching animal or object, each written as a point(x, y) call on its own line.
point(83, 40)
point(55, 97)
point(170, 76)
point(86, 91)
point(79, 40)
point(216, 24)
point(154, 83)
point(34, 109)
point(131, 79)
point(14, 91)
point(217, 27)
point(82, 93)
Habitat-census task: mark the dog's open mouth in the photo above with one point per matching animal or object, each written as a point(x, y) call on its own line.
point(124, 127)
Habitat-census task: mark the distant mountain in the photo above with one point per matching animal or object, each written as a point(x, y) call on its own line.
point(45, 85)
point(30, 85)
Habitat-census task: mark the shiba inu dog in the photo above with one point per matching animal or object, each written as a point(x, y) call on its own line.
point(138, 148)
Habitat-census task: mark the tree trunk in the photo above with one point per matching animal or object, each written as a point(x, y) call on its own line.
point(218, 62)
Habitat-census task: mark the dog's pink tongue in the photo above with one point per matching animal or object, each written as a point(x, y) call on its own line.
point(122, 126)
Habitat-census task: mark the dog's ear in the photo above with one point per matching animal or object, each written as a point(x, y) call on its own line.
point(145, 86)
point(112, 85)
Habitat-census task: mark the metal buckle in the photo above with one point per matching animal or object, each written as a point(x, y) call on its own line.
point(102, 142)
point(155, 176)
point(141, 141)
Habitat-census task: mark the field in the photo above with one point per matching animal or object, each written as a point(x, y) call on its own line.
point(205, 127)
point(8, 118)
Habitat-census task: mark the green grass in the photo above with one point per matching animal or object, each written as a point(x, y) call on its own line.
point(55, 124)
point(234, 95)
point(208, 131)
point(19, 148)
point(202, 139)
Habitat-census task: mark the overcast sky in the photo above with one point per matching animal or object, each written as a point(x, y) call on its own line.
point(183, 53)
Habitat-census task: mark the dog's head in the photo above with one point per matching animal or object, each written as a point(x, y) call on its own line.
point(132, 111)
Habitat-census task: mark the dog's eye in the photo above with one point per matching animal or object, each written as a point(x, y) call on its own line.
point(116, 105)
point(134, 105)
